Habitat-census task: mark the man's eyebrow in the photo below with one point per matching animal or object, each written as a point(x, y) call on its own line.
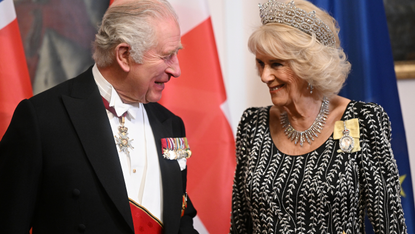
point(174, 51)
point(178, 48)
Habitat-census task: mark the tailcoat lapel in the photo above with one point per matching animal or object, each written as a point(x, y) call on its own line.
point(170, 170)
point(87, 112)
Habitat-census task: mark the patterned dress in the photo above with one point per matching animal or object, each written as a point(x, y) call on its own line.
point(324, 191)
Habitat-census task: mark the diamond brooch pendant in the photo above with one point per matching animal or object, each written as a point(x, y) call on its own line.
point(346, 142)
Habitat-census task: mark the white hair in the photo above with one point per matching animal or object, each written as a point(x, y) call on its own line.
point(133, 23)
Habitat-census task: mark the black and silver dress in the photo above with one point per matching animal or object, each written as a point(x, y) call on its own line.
point(323, 191)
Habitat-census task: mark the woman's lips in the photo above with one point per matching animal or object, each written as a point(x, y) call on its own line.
point(275, 88)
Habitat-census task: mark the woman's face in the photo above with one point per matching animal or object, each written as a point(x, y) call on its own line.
point(284, 85)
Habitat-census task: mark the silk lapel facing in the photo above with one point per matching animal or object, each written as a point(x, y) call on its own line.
point(88, 115)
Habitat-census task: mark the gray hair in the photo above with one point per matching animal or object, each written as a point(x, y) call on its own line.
point(132, 23)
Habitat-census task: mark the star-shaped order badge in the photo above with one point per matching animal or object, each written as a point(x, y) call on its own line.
point(175, 148)
point(122, 140)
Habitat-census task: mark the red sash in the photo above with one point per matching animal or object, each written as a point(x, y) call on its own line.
point(144, 221)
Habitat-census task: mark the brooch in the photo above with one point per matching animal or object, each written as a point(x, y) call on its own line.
point(346, 143)
point(347, 132)
point(175, 148)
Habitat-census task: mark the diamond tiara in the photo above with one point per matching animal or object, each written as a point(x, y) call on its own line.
point(289, 14)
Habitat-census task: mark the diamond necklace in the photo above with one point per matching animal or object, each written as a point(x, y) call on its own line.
point(309, 134)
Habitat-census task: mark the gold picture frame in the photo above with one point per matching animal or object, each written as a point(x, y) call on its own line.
point(405, 69)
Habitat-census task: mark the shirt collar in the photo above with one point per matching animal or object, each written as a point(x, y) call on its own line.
point(108, 92)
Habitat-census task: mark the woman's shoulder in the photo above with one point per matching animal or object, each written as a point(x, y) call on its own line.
point(369, 114)
point(364, 108)
point(366, 112)
point(253, 112)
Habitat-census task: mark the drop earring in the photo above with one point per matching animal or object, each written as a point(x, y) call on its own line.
point(310, 87)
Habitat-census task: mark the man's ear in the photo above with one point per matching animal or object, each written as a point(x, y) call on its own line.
point(122, 56)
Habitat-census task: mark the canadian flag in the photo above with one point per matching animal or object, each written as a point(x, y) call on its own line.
point(14, 76)
point(198, 96)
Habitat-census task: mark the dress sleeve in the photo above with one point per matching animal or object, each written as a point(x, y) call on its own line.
point(380, 172)
point(240, 217)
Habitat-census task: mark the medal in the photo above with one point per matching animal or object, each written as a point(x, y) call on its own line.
point(175, 148)
point(346, 142)
point(123, 141)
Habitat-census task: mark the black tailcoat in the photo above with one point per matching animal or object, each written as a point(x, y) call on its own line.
point(60, 171)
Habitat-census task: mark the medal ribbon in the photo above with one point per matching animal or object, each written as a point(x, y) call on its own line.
point(175, 143)
point(122, 141)
point(175, 148)
point(352, 125)
point(111, 109)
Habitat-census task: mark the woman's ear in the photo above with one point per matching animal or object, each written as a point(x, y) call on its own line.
point(122, 56)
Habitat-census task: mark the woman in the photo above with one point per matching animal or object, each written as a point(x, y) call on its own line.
point(313, 162)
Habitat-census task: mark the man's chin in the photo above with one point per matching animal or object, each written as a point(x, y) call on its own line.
point(152, 99)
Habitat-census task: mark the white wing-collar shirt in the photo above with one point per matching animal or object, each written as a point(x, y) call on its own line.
point(141, 168)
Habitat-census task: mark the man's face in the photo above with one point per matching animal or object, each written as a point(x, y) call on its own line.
point(147, 80)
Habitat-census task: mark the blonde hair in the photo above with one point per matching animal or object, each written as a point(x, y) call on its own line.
point(324, 67)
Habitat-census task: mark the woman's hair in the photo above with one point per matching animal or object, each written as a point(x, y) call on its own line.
point(324, 67)
point(132, 23)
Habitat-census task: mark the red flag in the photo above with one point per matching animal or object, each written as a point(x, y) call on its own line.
point(14, 76)
point(198, 96)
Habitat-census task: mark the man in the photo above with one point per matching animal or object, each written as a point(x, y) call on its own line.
point(94, 154)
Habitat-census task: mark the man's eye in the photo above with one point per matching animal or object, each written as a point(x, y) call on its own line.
point(169, 57)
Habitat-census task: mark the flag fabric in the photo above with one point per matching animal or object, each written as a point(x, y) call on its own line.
point(365, 39)
point(14, 75)
point(198, 96)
